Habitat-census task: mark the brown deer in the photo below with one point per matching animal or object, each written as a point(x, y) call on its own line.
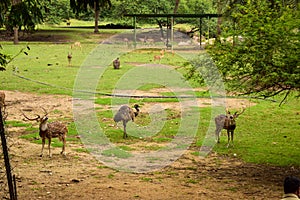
point(49, 131)
point(226, 122)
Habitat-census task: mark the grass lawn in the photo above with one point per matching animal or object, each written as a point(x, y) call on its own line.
point(265, 133)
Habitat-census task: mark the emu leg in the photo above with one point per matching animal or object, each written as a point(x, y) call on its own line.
point(125, 134)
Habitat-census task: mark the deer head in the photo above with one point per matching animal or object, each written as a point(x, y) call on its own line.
point(42, 120)
point(235, 115)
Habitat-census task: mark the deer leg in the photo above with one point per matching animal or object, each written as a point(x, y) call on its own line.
point(232, 137)
point(228, 135)
point(64, 145)
point(49, 144)
point(43, 144)
point(218, 131)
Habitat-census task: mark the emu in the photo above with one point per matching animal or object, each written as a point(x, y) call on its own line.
point(69, 58)
point(49, 131)
point(116, 63)
point(226, 122)
point(125, 114)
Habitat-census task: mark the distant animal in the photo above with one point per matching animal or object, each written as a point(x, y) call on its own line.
point(143, 40)
point(126, 41)
point(76, 44)
point(162, 52)
point(49, 131)
point(69, 58)
point(150, 41)
point(158, 57)
point(226, 122)
point(126, 114)
point(116, 63)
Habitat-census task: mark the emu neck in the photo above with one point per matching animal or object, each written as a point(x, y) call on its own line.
point(137, 112)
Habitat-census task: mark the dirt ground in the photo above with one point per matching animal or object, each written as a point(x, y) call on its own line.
point(80, 176)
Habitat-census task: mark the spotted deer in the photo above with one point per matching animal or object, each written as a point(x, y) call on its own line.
point(226, 122)
point(50, 130)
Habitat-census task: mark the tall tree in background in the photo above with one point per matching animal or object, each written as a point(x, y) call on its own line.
point(79, 6)
point(18, 14)
point(176, 6)
point(260, 54)
point(14, 23)
point(4, 7)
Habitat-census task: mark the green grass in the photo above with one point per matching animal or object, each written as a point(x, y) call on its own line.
point(116, 152)
point(265, 133)
point(16, 124)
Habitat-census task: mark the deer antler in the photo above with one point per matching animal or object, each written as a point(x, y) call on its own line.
point(241, 112)
point(227, 111)
point(37, 118)
point(45, 111)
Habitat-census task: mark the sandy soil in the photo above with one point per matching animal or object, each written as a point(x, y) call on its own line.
point(80, 176)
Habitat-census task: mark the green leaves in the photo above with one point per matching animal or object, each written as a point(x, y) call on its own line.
point(264, 55)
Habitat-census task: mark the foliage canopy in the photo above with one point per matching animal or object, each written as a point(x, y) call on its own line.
point(258, 52)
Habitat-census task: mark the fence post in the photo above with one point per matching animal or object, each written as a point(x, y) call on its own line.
point(12, 194)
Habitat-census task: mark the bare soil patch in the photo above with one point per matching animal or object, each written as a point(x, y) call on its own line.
point(81, 176)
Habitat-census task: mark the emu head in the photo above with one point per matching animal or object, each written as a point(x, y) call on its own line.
point(136, 106)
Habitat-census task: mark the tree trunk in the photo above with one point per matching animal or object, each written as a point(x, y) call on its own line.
point(16, 35)
point(96, 17)
point(219, 22)
point(176, 6)
point(16, 28)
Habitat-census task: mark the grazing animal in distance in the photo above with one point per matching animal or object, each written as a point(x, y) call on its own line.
point(158, 57)
point(116, 63)
point(226, 122)
point(50, 130)
point(69, 58)
point(126, 114)
point(76, 44)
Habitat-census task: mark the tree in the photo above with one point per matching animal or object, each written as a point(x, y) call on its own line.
point(260, 54)
point(57, 11)
point(17, 13)
point(4, 7)
point(176, 6)
point(79, 6)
